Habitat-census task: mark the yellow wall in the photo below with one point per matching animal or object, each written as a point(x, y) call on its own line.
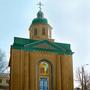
point(24, 73)
point(67, 72)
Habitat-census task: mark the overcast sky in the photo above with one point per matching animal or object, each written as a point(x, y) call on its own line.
point(70, 20)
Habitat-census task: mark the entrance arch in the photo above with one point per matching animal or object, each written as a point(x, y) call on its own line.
point(45, 75)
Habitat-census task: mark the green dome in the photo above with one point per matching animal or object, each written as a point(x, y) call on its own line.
point(40, 19)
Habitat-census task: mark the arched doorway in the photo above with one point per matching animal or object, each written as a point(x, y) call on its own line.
point(44, 75)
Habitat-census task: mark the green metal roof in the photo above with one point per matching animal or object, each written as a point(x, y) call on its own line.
point(32, 45)
point(40, 20)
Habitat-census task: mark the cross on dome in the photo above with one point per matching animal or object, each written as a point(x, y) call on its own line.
point(40, 5)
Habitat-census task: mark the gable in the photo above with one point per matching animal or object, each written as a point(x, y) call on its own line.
point(46, 46)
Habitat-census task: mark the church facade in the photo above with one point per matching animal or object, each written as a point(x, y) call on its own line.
point(40, 63)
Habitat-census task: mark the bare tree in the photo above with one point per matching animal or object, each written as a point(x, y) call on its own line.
point(83, 78)
point(2, 61)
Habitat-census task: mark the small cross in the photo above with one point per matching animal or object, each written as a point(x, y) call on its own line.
point(40, 5)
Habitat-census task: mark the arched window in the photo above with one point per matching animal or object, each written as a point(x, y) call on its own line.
point(35, 31)
point(43, 31)
point(45, 76)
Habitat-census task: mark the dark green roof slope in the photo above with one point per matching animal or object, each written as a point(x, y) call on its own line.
point(32, 45)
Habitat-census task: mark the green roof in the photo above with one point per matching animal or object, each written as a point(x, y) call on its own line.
point(34, 45)
point(40, 20)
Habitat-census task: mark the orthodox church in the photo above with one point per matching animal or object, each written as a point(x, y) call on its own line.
point(40, 63)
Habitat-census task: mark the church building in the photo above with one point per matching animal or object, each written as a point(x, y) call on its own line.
point(40, 63)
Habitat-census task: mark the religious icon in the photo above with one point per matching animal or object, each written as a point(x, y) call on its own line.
point(43, 68)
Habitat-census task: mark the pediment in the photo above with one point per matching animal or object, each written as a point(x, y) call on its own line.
point(42, 45)
point(45, 46)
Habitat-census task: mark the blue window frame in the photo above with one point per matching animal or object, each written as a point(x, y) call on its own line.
point(43, 84)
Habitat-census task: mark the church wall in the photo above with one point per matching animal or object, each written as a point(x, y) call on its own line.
point(58, 73)
point(67, 72)
point(25, 70)
point(20, 70)
point(35, 58)
point(15, 68)
point(24, 67)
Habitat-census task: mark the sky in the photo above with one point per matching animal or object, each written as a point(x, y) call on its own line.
point(70, 20)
